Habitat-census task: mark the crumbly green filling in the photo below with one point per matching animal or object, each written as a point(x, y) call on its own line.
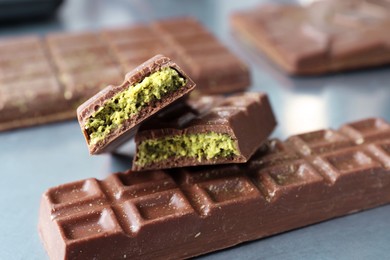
point(129, 102)
point(201, 146)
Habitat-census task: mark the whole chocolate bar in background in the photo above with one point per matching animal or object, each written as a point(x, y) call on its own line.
point(337, 35)
point(76, 66)
point(182, 213)
point(205, 130)
point(129, 122)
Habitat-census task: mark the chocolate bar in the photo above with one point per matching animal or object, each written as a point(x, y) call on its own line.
point(337, 35)
point(112, 116)
point(206, 130)
point(182, 213)
point(78, 65)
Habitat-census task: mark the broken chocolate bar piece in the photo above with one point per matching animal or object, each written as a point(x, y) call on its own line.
point(183, 213)
point(337, 35)
point(112, 116)
point(208, 130)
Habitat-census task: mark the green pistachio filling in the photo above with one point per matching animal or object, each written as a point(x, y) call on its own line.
point(129, 102)
point(201, 146)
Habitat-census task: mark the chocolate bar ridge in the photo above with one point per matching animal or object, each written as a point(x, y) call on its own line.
point(246, 118)
point(129, 126)
point(182, 213)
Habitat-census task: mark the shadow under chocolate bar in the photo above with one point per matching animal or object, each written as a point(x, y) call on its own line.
point(182, 213)
point(75, 66)
point(336, 35)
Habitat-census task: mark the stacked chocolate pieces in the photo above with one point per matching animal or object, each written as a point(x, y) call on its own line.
point(181, 213)
point(336, 35)
point(44, 79)
point(175, 131)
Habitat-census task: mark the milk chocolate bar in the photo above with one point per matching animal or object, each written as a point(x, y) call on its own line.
point(206, 130)
point(182, 213)
point(113, 115)
point(337, 35)
point(76, 66)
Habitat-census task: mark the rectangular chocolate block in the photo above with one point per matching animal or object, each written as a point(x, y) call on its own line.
point(337, 35)
point(309, 178)
point(205, 130)
point(83, 63)
point(113, 115)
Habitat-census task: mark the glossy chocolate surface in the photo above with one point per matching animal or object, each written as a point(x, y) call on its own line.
point(306, 179)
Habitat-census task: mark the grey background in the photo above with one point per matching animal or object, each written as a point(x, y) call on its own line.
point(34, 159)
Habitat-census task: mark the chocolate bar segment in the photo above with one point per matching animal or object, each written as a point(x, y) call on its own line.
point(215, 69)
point(210, 64)
point(208, 130)
point(133, 45)
point(192, 211)
point(30, 94)
point(112, 116)
point(84, 63)
point(337, 35)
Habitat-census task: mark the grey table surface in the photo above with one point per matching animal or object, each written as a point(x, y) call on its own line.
point(34, 159)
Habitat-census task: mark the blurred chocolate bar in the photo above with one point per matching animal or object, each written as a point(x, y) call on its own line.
point(210, 64)
point(175, 214)
point(30, 93)
point(78, 65)
point(205, 130)
point(84, 64)
point(325, 36)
